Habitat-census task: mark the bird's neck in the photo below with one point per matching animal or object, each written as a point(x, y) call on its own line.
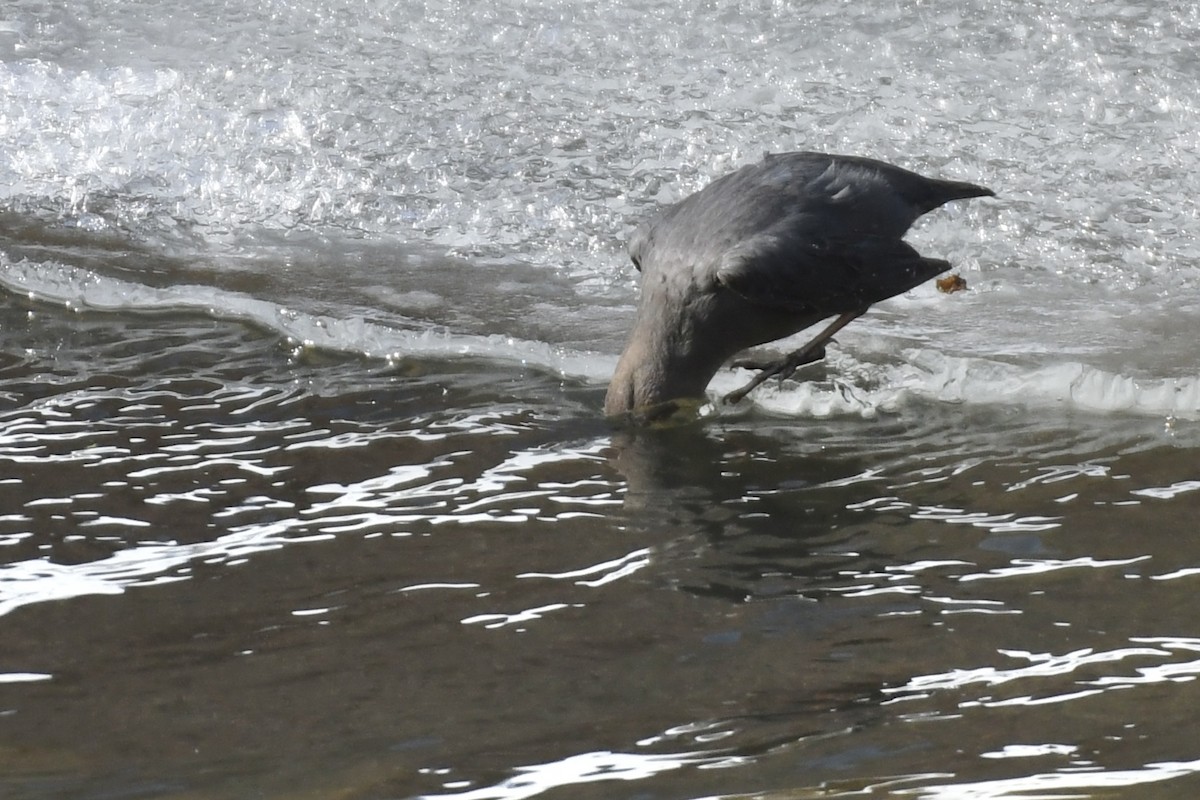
point(663, 361)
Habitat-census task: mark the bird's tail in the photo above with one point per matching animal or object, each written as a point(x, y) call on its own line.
point(939, 192)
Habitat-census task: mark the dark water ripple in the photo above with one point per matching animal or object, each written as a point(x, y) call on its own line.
point(450, 578)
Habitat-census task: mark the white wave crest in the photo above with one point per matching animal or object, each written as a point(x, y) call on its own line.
point(80, 289)
point(856, 389)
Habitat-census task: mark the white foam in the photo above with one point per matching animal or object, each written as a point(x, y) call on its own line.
point(927, 374)
point(544, 142)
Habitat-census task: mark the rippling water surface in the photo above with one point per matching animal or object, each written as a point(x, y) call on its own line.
point(306, 314)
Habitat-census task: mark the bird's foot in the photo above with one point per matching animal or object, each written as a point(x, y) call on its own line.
point(783, 368)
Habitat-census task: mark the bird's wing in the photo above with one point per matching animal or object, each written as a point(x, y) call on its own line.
point(802, 273)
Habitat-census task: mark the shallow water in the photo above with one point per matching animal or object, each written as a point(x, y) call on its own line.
point(306, 319)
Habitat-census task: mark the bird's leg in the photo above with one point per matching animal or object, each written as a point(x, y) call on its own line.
point(813, 351)
point(761, 361)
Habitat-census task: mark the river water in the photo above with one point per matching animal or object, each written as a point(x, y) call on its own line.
point(306, 316)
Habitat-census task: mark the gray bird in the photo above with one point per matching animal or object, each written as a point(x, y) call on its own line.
point(761, 254)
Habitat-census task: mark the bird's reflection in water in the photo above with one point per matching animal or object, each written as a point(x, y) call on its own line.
point(721, 511)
